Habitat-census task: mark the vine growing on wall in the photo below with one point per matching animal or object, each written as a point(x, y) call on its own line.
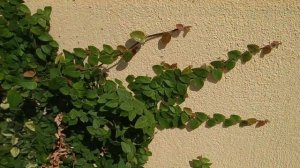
point(62, 110)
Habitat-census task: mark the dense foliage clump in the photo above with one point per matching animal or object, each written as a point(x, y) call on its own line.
point(63, 110)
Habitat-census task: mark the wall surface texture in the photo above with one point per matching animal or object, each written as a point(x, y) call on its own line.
point(266, 88)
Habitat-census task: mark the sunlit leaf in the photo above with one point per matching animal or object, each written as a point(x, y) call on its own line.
point(138, 36)
point(30, 125)
point(14, 151)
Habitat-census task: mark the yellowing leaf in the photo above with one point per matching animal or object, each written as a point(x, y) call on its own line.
point(30, 125)
point(59, 58)
point(121, 48)
point(14, 140)
point(4, 106)
point(14, 151)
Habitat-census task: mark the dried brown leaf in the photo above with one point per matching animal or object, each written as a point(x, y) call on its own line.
point(266, 50)
point(261, 123)
point(165, 38)
point(29, 74)
point(275, 44)
point(180, 27)
point(121, 48)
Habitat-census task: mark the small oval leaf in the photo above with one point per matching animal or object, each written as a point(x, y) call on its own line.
point(165, 38)
point(138, 36)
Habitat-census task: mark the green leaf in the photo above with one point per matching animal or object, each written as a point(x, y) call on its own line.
point(141, 122)
point(253, 48)
point(218, 64)
point(158, 69)
point(42, 22)
point(234, 55)
point(228, 123)
point(184, 117)
point(126, 106)
point(200, 72)
point(138, 36)
point(14, 99)
point(112, 104)
point(181, 88)
point(54, 44)
point(130, 78)
point(31, 85)
point(46, 49)
point(127, 56)
point(202, 117)
point(246, 56)
point(230, 64)
point(91, 94)
point(143, 79)
point(40, 54)
point(219, 118)
point(126, 147)
point(71, 71)
point(79, 52)
point(45, 37)
point(4, 32)
point(24, 9)
point(94, 55)
point(106, 58)
point(193, 124)
point(211, 122)
point(196, 84)
point(235, 118)
point(37, 30)
point(216, 74)
point(14, 151)
point(150, 94)
point(108, 49)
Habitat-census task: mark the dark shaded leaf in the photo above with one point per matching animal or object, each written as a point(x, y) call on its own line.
point(246, 56)
point(127, 56)
point(230, 64)
point(45, 37)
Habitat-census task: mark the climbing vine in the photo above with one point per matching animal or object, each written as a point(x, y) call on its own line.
point(63, 110)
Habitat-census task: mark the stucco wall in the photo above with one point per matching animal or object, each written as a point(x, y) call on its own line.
point(266, 88)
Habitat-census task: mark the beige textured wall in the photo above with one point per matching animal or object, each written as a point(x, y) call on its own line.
point(267, 88)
